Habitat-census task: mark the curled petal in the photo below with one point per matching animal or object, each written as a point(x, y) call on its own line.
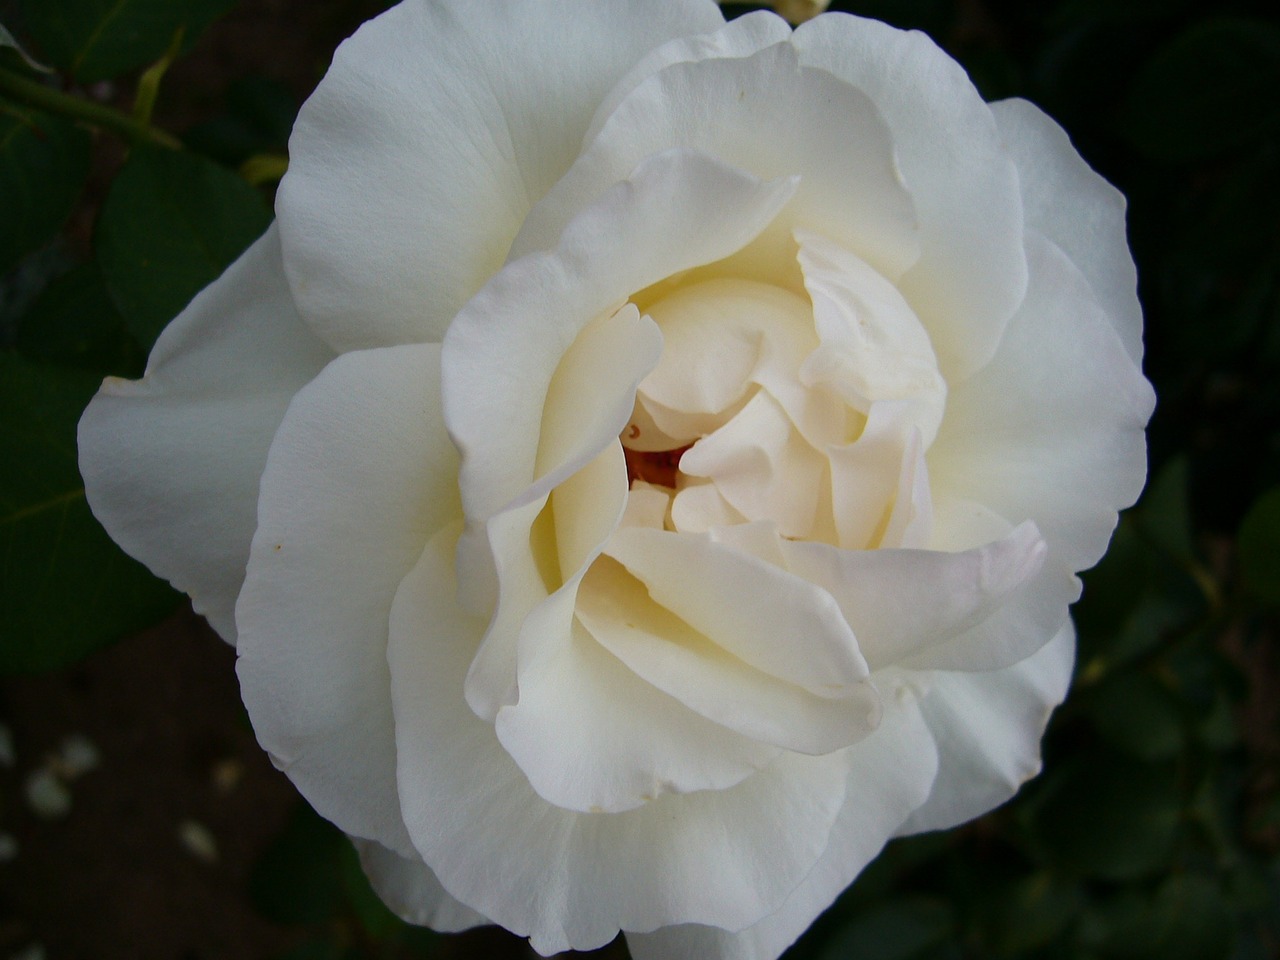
point(171, 462)
point(361, 473)
point(971, 273)
point(988, 728)
point(569, 879)
point(416, 159)
point(1071, 450)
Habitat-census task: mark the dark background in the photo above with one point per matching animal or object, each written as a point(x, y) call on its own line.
point(1155, 830)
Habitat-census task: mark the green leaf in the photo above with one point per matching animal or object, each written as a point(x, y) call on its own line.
point(65, 588)
point(298, 879)
point(98, 39)
point(899, 930)
point(1164, 513)
point(258, 118)
point(1108, 816)
point(374, 916)
point(44, 163)
point(169, 226)
point(1211, 90)
point(1028, 913)
point(1135, 713)
point(74, 322)
point(1259, 546)
point(1186, 919)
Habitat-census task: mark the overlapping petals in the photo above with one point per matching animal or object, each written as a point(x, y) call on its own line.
point(648, 466)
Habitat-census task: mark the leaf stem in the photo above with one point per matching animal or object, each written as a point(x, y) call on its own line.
point(43, 97)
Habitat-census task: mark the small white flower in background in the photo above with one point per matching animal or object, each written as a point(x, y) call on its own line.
point(77, 756)
point(47, 794)
point(198, 840)
point(645, 467)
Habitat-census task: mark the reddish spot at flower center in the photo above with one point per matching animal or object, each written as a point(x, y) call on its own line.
point(658, 467)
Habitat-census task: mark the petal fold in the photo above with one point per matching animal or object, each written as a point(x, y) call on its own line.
point(571, 880)
point(171, 462)
point(437, 127)
point(1077, 210)
point(971, 273)
point(360, 475)
point(1052, 430)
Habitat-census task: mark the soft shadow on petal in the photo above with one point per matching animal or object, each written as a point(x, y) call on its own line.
point(988, 727)
point(970, 276)
point(905, 604)
point(359, 477)
point(567, 879)
point(666, 652)
point(437, 127)
point(1052, 429)
point(767, 114)
point(411, 890)
point(741, 37)
point(171, 463)
point(890, 773)
point(1076, 209)
point(677, 210)
point(595, 737)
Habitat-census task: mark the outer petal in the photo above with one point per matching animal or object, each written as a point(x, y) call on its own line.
point(890, 773)
point(411, 890)
point(988, 728)
point(359, 477)
point(1075, 208)
point(572, 880)
point(437, 127)
point(971, 275)
point(742, 37)
point(171, 462)
point(1052, 429)
point(768, 114)
point(905, 604)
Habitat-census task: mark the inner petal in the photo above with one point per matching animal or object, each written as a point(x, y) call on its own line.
point(720, 338)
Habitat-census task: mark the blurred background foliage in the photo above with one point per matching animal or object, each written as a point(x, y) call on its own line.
point(127, 184)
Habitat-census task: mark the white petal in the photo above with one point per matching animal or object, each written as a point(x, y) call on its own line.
point(873, 346)
point(970, 276)
point(171, 462)
point(913, 605)
point(872, 479)
point(412, 892)
point(360, 475)
point(437, 127)
point(566, 879)
point(767, 114)
point(988, 728)
point(742, 37)
point(594, 737)
point(677, 210)
point(1052, 429)
point(742, 325)
point(776, 622)
point(1076, 209)
point(617, 611)
point(890, 773)
point(763, 467)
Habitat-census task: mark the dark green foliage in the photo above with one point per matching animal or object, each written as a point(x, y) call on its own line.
point(44, 161)
point(170, 225)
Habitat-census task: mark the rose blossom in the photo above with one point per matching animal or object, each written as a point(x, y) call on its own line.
point(645, 467)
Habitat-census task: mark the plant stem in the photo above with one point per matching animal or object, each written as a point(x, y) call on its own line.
point(43, 97)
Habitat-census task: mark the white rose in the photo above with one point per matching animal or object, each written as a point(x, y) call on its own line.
point(871, 347)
